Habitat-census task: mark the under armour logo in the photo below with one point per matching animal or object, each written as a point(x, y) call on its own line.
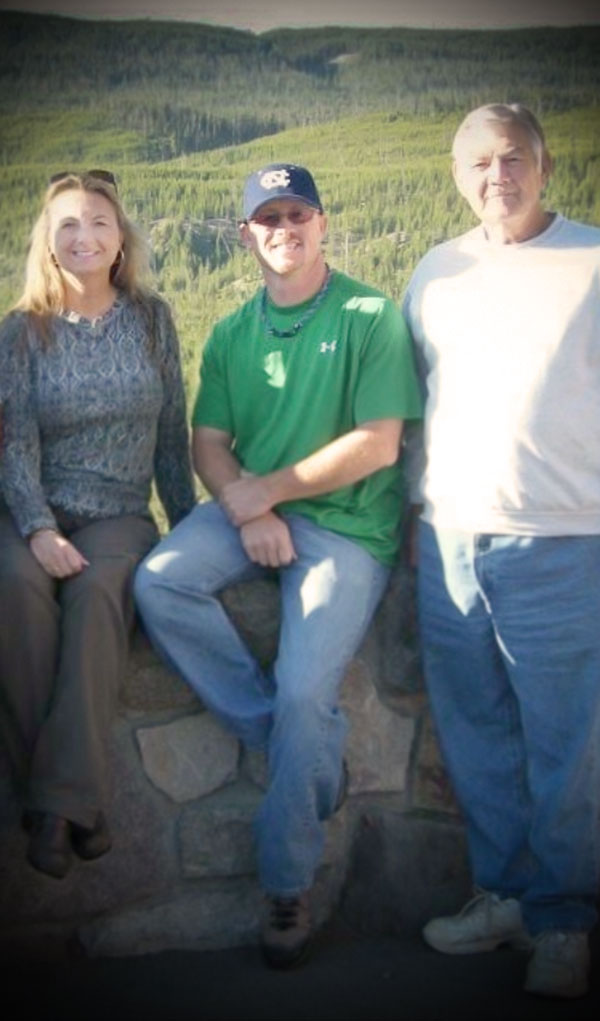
point(325, 347)
point(275, 179)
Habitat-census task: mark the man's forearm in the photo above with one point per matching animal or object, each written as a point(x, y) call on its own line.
point(344, 461)
point(265, 537)
point(214, 462)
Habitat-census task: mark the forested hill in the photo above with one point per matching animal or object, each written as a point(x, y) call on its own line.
point(182, 112)
point(176, 87)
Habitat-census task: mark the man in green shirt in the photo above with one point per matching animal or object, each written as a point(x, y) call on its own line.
point(297, 429)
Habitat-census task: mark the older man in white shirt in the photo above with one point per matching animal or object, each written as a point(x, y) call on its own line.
point(505, 320)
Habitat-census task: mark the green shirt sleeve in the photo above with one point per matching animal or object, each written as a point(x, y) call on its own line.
point(212, 406)
point(387, 385)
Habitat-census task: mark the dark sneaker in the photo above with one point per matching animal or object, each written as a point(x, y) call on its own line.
point(287, 936)
point(49, 848)
point(91, 843)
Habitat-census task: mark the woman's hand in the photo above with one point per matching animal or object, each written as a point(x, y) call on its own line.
point(58, 556)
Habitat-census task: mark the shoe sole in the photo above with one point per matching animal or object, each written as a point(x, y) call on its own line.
point(481, 946)
point(90, 854)
point(46, 869)
point(557, 994)
point(283, 963)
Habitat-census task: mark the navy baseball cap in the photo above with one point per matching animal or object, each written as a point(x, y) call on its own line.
point(279, 181)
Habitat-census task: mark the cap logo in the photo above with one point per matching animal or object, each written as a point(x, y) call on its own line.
point(275, 179)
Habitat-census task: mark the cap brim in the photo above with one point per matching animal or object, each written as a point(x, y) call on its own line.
point(293, 196)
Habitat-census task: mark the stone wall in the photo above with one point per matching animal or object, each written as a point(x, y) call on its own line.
point(181, 871)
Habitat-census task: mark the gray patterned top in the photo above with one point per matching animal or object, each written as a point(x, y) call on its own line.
point(92, 418)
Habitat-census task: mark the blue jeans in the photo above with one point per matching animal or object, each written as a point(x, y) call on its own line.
point(328, 596)
point(511, 643)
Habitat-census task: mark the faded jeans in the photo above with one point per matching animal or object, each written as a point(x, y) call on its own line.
point(328, 596)
point(511, 643)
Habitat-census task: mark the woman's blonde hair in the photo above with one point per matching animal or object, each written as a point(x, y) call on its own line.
point(44, 295)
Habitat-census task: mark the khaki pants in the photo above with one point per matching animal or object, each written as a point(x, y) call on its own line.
point(63, 650)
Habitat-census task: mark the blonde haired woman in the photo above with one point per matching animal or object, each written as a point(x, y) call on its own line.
point(94, 411)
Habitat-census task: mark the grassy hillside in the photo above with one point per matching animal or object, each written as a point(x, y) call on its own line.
point(177, 88)
point(182, 112)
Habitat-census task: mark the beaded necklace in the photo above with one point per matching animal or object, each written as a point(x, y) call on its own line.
point(272, 331)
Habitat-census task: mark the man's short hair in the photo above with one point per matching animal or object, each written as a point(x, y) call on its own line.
point(514, 113)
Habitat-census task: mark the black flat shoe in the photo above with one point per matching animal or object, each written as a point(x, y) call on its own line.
point(27, 820)
point(49, 849)
point(91, 843)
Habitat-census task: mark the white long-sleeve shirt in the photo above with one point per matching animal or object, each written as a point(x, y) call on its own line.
point(509, 341)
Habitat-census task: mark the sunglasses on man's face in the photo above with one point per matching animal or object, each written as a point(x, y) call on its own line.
point(273, 217)
point(100, 175)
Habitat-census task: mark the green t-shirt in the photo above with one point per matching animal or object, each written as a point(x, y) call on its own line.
point(284, 398)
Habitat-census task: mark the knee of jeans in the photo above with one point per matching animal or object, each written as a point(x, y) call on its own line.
point(144, 586)
point(150, 591)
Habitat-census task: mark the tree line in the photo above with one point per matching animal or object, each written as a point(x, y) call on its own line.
point(181, 113)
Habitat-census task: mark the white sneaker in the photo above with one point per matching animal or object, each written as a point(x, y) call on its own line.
point(484, 923)
point(560, 964)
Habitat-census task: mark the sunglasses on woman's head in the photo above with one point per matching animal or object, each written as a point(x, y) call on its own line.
point(100, 175)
